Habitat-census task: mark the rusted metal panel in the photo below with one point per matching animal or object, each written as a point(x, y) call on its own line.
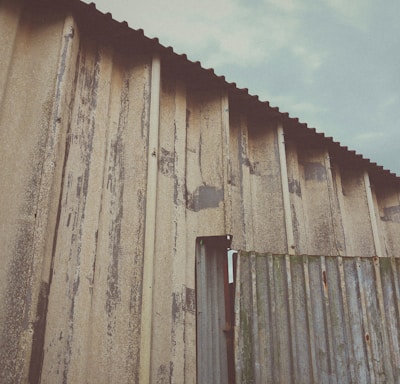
point(212, 360)
point(317, 319)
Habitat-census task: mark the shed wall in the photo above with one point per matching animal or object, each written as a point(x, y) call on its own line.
point(75, 122)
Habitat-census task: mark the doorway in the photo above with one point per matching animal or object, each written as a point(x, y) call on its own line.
point(215, 287)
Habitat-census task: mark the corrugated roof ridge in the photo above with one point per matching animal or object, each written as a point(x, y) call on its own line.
point(233, 85)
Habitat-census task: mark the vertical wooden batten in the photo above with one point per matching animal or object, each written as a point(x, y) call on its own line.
point(371, 208)
point(227, 162)
point(150, 231)
point(51, 187)
point(285, 191)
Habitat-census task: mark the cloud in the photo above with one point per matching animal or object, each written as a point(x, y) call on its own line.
point(357, 13)
point(391, 101)
point(311, 60)
point(285, 5)
point(307, 112)
point(218, 33)
point(226, 32)
point(232, 33)
point(369, 136)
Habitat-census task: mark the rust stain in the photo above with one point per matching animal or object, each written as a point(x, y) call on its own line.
point(324, 280)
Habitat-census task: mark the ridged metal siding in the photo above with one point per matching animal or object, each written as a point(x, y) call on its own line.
point(80, 109)
point(212, 361)
point(317, 319)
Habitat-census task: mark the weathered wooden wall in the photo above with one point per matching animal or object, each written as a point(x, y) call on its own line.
point(116, 155)
point(317, 319)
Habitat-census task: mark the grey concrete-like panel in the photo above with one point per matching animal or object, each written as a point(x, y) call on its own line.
point(354, 210)
point(388, 217)
point(267, 213)
point(28, 128)
point(317, 204)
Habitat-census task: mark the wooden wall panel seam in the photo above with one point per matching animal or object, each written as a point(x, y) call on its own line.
point(150, 226)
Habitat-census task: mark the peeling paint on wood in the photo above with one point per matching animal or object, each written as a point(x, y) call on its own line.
point(294, 187)
point(166, 163)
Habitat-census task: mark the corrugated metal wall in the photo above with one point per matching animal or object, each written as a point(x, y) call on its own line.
point(318, 319)
point(116, 156)
point(212, 322)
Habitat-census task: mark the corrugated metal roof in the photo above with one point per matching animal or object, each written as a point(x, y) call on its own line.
point(292, 124)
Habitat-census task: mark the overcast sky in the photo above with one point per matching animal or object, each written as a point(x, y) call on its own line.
point(334, 64)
